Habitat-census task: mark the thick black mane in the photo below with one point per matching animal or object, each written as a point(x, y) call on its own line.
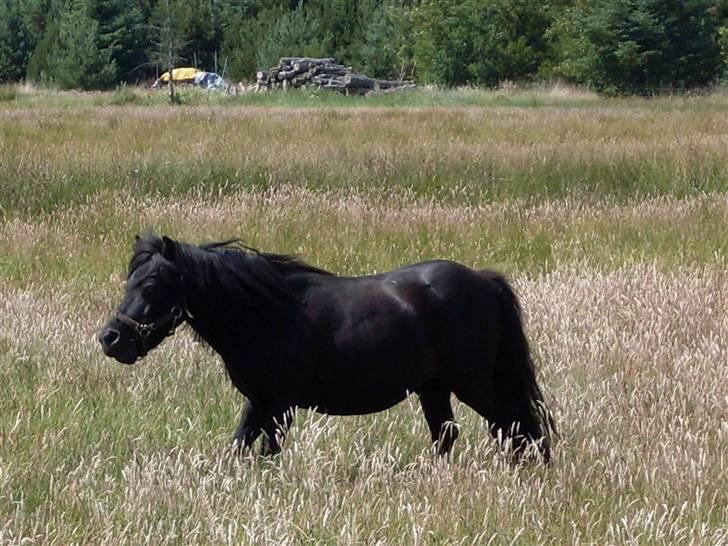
point(284, 263)
point(144, 248)
point(233, 249)
point(242, 286)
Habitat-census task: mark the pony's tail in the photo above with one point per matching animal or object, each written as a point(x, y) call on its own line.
point(516, 378)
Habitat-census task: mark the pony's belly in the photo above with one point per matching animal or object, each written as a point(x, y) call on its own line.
point(359, 389)
point(358, 405)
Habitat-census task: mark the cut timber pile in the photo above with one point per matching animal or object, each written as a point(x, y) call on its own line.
point(302, 72)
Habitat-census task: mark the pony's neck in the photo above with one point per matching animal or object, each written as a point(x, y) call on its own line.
point(239, 304)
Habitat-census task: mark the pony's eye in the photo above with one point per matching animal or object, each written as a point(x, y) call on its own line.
point(149, 292)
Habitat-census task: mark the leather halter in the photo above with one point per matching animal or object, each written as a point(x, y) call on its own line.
point(174, 318)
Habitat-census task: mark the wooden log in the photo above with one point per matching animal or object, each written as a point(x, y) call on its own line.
point(390, 84)
point(326, 80)
point(391, 89)
point(288, 74)
point(302, 66)
point(331, 70)
point(300, 81)
point(311, 63)
point(358, 81)
point(314, 60)
point(323, 73)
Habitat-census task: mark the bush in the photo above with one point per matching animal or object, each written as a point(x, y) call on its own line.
point(123, 95)
point(723, 44)
point(295, 33)
point(8, 93)
point(480, 42)
point(638, 46)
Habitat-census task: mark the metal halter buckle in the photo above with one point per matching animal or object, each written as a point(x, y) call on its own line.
point(144, 329)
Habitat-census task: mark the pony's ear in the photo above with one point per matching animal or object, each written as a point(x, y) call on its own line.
point(169, 248)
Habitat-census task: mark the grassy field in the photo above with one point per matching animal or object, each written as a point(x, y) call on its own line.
point(610, 217)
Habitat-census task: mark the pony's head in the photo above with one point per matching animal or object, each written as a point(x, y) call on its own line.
point(153, 305)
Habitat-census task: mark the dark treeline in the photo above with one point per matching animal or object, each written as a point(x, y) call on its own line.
point(634, 46)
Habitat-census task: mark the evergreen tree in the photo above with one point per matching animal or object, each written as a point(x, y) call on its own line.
point(723, 45)
point(510, 43)
point(38, 63)
point(341, 25)
point(613, 45)
point(387, 48)
point(165, 42)
point(38, 15)
point(294, 33)
point(481, 42)
point(198, 25)
point(442, 41)
point(122, 32)
point(692, 52)
point(77, 59)
point(241, 34)
point(15, 42)
point(378, 52)
point(638, 45)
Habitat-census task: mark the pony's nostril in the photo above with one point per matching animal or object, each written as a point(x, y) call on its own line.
point(110, 338)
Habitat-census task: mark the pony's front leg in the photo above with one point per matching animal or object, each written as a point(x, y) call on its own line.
point(275, 431)
point(252, 419)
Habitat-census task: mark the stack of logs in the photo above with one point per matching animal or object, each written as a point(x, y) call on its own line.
point(304, 72)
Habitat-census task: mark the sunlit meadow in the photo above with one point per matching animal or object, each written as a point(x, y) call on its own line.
point(610, 218)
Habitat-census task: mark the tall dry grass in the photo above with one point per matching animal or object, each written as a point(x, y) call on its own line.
point(623, 280)
point(632, 356)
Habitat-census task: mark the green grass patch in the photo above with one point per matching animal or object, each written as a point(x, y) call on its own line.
point(610, 219)
point(61, 159)
point(526, 238)
point(424, 97)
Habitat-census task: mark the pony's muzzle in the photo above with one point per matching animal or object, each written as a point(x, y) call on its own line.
point(109, 339)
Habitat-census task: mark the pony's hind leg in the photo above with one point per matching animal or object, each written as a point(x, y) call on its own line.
point(514, 420)
point(436, 406)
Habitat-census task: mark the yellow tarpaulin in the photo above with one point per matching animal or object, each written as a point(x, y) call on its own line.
point(180, 75)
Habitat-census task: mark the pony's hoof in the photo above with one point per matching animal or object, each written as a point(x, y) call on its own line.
point(236, 447)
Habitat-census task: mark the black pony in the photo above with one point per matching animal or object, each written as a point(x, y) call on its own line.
point(292, 335)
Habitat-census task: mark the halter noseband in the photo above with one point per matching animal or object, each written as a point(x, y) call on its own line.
point(174, 318)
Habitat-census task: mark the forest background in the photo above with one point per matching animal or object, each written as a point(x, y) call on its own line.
point(611, 46)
